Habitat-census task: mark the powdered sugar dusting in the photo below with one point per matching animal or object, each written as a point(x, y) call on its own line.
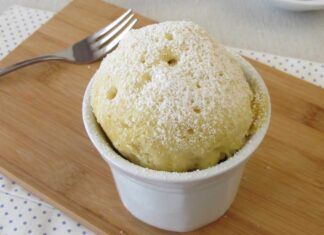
point(181, 101)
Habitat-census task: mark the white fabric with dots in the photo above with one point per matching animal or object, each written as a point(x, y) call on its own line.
point(309, 71)
point(20, 211)
point(17, 23)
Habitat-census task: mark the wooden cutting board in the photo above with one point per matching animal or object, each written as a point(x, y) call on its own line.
point(43, 145)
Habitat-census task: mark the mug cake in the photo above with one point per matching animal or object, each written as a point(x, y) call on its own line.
point(171, 98)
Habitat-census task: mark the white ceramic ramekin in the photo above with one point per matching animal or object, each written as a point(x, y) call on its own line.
point(176, 201)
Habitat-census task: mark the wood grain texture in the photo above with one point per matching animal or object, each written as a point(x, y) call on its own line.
point(43, 145)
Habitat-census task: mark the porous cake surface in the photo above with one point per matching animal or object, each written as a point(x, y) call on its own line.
point(172, 98)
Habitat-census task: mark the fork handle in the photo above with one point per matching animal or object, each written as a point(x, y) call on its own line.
point(24, 63)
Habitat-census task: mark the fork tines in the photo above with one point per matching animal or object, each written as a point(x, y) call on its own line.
point(113, 32)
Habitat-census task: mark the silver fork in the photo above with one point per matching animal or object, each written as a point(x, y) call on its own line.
point(88, 49)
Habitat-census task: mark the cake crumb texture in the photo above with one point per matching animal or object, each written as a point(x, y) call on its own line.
point(171, 98)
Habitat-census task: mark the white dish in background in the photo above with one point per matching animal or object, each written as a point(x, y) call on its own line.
point(300, 5)
point(173, 201)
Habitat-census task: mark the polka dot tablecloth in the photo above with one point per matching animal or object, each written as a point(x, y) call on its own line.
point(309, 71)
point(20, 211)
point(23, 213)
point(18, 23)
